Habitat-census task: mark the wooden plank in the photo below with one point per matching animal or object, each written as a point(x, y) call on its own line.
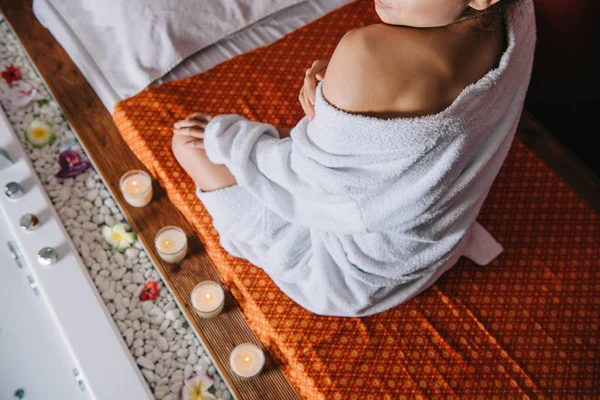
point(111, 157)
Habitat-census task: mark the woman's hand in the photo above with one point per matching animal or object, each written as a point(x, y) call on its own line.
point(193, 129)
point(308, 92)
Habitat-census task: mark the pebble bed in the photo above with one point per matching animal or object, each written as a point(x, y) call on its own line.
point(155, 331)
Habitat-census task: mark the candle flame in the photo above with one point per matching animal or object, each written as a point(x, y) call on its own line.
point(208, 296)
point(134, 183)
point(167, 244)
point(247, 359)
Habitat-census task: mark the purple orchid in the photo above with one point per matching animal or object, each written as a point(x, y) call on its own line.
point(71, 164)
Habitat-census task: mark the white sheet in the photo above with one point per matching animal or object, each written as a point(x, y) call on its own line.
point(134, 42)
point(262, 33)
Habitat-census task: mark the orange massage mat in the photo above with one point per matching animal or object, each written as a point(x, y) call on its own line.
point(526, 326)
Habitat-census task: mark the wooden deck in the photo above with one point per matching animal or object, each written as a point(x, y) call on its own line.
point(111, 157)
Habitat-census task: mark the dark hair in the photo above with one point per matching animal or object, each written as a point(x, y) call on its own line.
point(492, 17)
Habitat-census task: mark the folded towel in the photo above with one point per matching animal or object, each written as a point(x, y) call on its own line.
point(352, 215)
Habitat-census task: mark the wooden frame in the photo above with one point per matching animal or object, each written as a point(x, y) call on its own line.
point(97, 133)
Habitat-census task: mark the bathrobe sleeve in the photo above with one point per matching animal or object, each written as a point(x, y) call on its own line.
point(265, 165)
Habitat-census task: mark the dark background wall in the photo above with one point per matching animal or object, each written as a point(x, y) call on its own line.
point(565, 86)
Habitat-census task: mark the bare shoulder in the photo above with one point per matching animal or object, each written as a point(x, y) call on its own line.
point(390, 71)
point(381, 70)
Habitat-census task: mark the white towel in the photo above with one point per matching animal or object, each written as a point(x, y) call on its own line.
point(353, 215)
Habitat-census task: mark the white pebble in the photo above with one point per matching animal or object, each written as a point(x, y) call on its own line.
point(118, 259)
point(118, 273)
point(182, 353)
point(162, 382)
point(121, 315)
point(176, 387)
point(128, 334)
point(87, 237)
point(177, 376)
point(170, 396)
point(164, 326)
point(148, 374)
point(137, 278)
point(92, 194)
point(108, 202)
point(157, 319)
point(145, 363)
point(125, 302)
point(65, 193)
point(188, 371)
point(132, 252)
point(110, 221)
point(132, 288)
point(122, 326)
point(155, 354)
point(192, 359)
point(138, 343)
point(139, 352)
point(98, 219)
point(104, 210)
point(118, 301)
point(135, 314)
point(84, 249)
point(169, 334)
point(172, 314)
point(90, 183)
point(100, 256)
point(89, 226)
point(108, 294)
point(147, 307)
point(162, 344)
point(159, 394)
point(178, 323)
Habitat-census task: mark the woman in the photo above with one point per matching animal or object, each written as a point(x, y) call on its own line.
point(374, 194)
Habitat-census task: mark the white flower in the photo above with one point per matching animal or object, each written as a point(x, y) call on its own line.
point(117, 237)
point(196, 388)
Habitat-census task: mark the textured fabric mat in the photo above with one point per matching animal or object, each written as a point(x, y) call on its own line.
point(525, 326)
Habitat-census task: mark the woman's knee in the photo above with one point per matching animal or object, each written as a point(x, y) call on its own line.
point(178, 146)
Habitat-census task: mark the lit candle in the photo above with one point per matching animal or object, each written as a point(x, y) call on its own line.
point(136, 187)
point(171, 244)
point(208, 299)
point(247, 360)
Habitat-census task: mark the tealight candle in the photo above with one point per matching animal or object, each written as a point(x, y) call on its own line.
point(171, 244)
point(247, 360)
point(208, 299)
point(136, 187)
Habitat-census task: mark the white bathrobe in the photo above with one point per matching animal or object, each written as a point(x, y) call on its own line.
point(353, 215)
